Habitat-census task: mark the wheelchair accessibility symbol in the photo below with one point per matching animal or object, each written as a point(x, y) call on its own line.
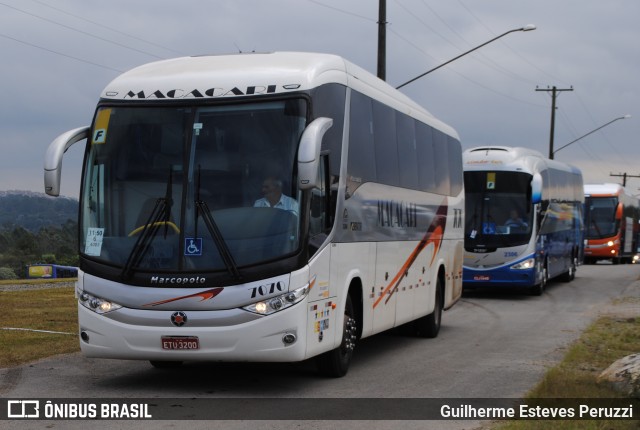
point(193, 246)
point(489, 228)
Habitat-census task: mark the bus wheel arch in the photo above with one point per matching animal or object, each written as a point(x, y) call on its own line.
point(335, 363)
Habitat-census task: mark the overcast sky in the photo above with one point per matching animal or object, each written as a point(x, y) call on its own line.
point(57, 56)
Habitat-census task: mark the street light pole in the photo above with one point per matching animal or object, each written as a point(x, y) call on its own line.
point(592, 131)
point(382, 39)
point(525, 28)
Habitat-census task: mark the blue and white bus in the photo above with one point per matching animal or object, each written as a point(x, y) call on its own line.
point(523, 219)
point(48, 271)
point(183, 254)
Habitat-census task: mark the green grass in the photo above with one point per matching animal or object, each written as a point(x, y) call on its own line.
point(605, 341)
point(36, 281)
point(52, 309)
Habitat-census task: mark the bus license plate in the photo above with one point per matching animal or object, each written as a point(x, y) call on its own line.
point(180, 342)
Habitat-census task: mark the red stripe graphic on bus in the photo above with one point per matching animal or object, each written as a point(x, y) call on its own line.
point(205, 295)
point(434, 235)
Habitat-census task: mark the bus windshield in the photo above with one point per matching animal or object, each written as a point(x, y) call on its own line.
point(201, 188)
point(497, 209)
point(601, 220)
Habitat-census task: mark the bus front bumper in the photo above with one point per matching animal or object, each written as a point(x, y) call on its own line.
point(499, 277)
point(279, 337)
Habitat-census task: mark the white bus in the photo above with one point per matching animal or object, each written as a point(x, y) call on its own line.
point(523, 219)
point(261, 207)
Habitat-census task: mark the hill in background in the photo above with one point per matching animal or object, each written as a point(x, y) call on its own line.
point(33, 211)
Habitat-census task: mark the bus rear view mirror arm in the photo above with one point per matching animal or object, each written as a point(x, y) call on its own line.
point(53, 158)
point(309, 152)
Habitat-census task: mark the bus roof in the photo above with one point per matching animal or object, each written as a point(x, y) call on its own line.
point(241, 75)
point(511, 158)
point(605, 189)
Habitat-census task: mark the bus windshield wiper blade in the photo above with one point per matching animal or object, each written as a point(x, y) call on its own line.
point(160, 214)
point(144, 239)
point(203, 209)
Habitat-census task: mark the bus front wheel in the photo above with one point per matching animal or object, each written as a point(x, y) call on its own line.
point(537, 290)
point(335, 363)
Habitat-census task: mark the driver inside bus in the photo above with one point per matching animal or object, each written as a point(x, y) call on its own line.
point(515, 221)
point(273, 197)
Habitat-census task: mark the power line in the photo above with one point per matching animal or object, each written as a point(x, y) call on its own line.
point(624, 177)
point(115, 30)
point(523, 58)
point(467, 78)
point(463, 76)
point(80, 31)
point(494, 66)
point(342, 11)
point(59, 53)
point(478, 56)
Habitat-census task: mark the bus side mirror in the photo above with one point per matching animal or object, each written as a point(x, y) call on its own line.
point(619, 210)
point(309, 152)
point(53, 158)
point(536, 188)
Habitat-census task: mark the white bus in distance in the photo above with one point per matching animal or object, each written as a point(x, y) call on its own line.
point(261, 207)
point(523, 221)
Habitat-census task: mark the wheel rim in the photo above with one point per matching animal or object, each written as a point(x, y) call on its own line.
point(349, 335)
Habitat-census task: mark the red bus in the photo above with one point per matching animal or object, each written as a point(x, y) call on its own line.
point(611, 224)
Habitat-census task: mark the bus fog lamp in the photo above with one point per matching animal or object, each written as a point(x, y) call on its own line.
point(289, 338)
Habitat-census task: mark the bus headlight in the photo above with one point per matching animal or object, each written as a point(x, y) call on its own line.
point(527, 264)
point(278, 303)
point(610, 243)
point(96, 304)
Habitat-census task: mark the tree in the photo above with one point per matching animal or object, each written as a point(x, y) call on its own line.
point(7, 273)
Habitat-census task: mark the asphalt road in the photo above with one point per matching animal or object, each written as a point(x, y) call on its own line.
point(492, 344)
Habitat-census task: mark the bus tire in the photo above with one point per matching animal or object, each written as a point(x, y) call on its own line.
point(335, 363)
point(537, 289)
point(429, 325)
point(570, 275)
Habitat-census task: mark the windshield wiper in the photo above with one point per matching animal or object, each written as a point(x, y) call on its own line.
point(203, 209)
point(161, 214)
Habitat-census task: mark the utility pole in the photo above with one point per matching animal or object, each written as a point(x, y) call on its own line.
point(624, 177)
point(554, 93)
point(382, 39)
